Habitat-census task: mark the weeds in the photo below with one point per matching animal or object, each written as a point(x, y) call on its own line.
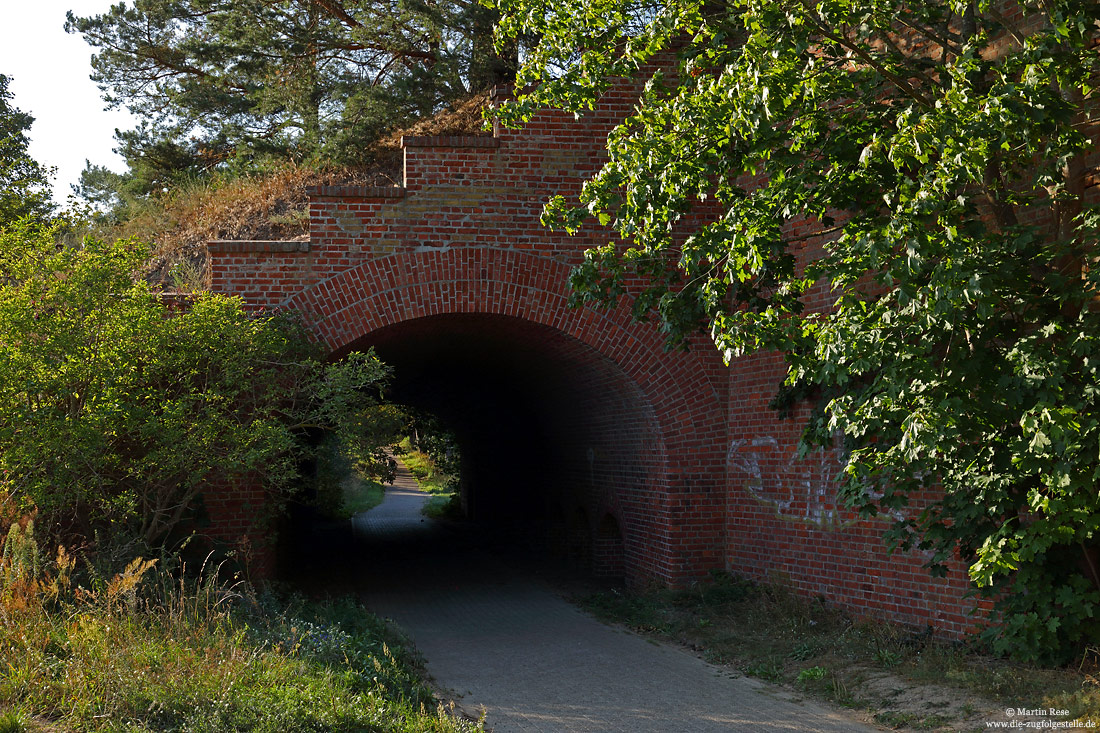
point(361, 495)
point(812, 673)
point(445, 501)
point(12, 722)
point(768, 631)
point(444, 507)
point(152, 648)
point(427, 474)
point(345, 487)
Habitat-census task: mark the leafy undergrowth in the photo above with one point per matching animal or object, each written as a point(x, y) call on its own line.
point(430, 478)
point(344, 487)
point(899, 678)
point(443, 507)
point(146, 652)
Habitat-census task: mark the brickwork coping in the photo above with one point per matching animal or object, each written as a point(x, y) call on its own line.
point(355, 192)
point(230, 246)
point(449, 141)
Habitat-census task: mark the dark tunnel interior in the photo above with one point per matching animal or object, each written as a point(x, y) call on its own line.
point(558, 444)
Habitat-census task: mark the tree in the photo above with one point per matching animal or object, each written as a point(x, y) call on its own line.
point(117, 412)
point(926, 169)
point(309, 79)
point(24, 184)
point(430, 435)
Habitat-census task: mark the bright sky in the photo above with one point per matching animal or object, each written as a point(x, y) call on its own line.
point(49, 71)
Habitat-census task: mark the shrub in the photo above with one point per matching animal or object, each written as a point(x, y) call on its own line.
point(117, 409)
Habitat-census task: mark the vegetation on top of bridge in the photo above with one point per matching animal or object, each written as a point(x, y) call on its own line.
point(893, 195)
point(267, 201)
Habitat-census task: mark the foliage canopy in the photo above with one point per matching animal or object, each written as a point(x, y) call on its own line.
point(226, 82)
point(118, 410)
point(924, 170)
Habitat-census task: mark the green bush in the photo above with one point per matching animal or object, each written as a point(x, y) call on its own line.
point(118, 409)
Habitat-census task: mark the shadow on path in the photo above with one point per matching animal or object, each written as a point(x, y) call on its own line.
point(502, 641)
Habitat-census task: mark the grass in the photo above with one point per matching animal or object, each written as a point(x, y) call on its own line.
point(445, 502)
point(264, 205)
point(146, 651)
point(428, 476)
point(767, 631)
point(12, 722)
point(443, 507)
point(344, 487)
point(361, 494)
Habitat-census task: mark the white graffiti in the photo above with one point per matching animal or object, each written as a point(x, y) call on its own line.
point(798, 488)
point(801, 489)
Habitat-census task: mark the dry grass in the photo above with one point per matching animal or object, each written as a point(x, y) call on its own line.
point(271, 205)
point(464, 118)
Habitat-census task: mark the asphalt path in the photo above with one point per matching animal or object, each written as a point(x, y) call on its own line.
point(502, 643)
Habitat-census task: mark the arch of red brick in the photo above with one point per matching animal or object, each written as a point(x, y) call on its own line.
point(462, 236)
point(684, 523)
point(388, 290)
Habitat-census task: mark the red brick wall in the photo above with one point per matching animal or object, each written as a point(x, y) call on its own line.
point(241, 521)
point(676, 451)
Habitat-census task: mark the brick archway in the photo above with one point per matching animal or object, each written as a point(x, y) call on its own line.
point(637, 438)
point(509, 283)
point(707, 477)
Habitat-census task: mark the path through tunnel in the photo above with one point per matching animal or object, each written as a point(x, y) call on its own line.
point(561, 451)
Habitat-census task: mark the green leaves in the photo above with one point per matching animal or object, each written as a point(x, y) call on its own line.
point(236, 83)
point(118, 412)
point(923, 167)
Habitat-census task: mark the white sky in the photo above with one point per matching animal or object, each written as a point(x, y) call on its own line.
point(49, 79)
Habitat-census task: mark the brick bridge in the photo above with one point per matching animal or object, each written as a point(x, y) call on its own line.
point(576, 427)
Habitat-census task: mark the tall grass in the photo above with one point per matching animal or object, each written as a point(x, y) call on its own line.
point(149, 650)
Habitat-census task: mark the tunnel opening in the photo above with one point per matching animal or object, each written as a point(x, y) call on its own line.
point(552, 433)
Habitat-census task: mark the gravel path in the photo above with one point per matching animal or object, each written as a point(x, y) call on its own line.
point(506, 644)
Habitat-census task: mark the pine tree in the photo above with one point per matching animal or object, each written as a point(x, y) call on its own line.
point(24, 184)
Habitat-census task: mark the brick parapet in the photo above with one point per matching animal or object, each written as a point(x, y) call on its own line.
point(449, 141)
point(220, 247)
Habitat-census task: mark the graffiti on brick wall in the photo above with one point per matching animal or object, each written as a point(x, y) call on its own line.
point(797, 488)
point(800, 489)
